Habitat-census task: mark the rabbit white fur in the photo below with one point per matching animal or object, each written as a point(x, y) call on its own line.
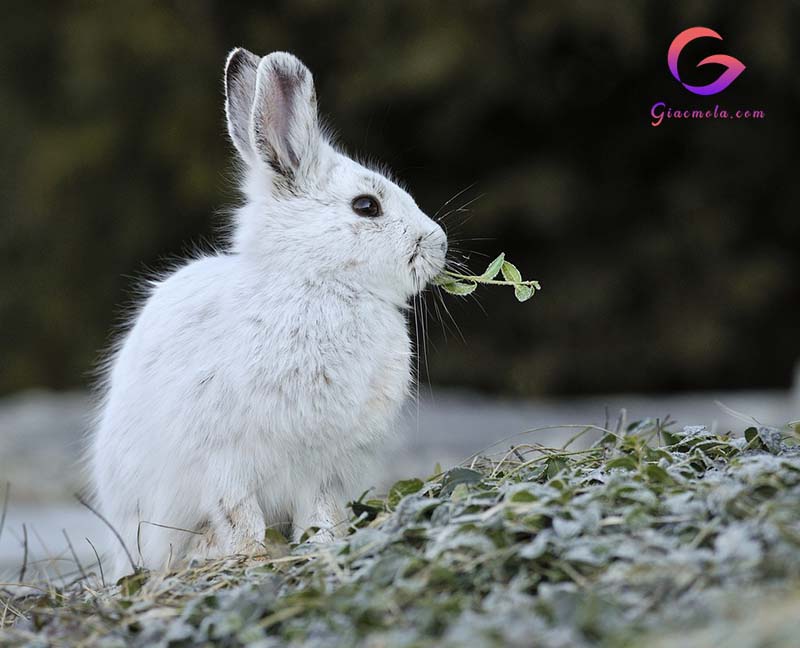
point(258, 385)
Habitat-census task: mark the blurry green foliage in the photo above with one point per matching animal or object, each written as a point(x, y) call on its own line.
point(668, 255)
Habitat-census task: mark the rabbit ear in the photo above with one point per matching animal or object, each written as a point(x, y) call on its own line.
point(285, 129)
point(240, 88)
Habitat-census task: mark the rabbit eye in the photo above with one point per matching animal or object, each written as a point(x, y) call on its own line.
point(366, 206)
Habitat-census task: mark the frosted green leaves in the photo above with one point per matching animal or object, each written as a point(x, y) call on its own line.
point(464, 284)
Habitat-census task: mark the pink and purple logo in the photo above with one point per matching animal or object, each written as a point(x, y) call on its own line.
point(733, 66)
point(661, 111)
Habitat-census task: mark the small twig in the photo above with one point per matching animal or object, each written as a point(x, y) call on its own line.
point(573, 573)
point(498, 466)
point(575, 437)
point(51, 559)
point(547, 453)
point(280, 615)
point(139, 533)
point(704, 533)
point(167, 526)
point(25, 556)
point(110, 526)
point(26, 585)
point(492, 282)
point(75, 555)
point(5, 508)
point(99, 562)
point(6, 607)
point(544, 428)
point(738, 415)
point(621, 420)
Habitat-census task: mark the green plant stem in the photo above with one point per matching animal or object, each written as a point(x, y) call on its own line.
point(495, 282)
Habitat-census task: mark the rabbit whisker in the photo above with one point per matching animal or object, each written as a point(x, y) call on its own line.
point(451, 199)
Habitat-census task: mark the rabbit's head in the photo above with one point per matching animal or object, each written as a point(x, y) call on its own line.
point(309, 207)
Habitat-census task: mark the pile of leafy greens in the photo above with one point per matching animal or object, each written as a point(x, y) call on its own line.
point(648, 537)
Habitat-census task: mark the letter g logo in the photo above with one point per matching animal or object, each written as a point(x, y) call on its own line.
point(733, 67)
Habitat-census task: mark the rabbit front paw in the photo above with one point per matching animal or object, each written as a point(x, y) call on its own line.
point(233, 528)
point(319, 520)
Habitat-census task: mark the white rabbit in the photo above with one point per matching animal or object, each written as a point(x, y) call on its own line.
point(257, 385)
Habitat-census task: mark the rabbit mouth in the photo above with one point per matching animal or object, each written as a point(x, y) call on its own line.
point(425, 262)
point(417, 251)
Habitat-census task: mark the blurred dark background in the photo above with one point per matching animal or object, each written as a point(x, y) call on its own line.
point(668, 256)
